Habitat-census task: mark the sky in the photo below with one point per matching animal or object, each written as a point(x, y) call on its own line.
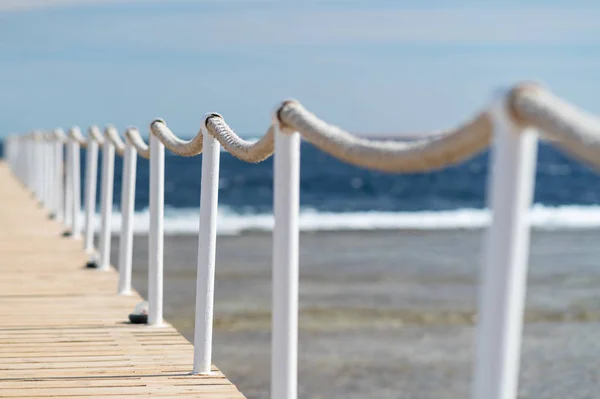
point(372, 67)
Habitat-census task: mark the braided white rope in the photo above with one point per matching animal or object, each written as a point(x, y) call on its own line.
point(573, 130)
point(238, 147)
point(216, 126)
point(133, 135)
point(434, 152)
point(112, 135)
point(185, 148)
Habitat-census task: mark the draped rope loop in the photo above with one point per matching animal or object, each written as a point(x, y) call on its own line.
point(94, 134)
point(75, 134)
point(132, 134)
point(237, 146)
point(185, 148)
point(111, 134)
point(528, 104)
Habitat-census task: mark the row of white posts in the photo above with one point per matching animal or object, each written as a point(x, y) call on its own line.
point(38, 161)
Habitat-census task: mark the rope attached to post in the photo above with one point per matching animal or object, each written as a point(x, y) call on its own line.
point(112, 135)
point(134, 137)
point(94, 134)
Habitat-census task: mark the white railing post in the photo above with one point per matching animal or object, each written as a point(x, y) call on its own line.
point(45, 172)
point(91, 176)
point(51, 174)
point(34, 165)
point(69, 185)
point(75, 170)
point(284, 349)
point(502, 292)
point(108, 171)
point(30, 163)
point(155, 247)
point(26, 162)
point(59, 178)
point(41, 159)
point(39, 176)
point(41, 171)
point(127, 213)
point(207, 237)
point(16, 156)
point(19, 158)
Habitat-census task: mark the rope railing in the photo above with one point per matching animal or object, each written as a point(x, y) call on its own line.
point(512, 123)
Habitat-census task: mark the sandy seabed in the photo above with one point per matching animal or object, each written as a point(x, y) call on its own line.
point(390, 314)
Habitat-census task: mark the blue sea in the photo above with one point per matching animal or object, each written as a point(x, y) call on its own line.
point(338, 196)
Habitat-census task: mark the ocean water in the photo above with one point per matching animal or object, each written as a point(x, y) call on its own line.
point(338, 196)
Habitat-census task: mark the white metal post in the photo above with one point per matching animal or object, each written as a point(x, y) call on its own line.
point(19, 157)
point(34, 165)
point(22, 164)
point(108, 171)
point(284, 350)
point(18, 144)
point(50, 164)
point(69, 185)
point(39, 176)
point(23, 147)
point(28, 162)
point(16, 156)
point(91, 176)
point(31, 162)
point(40, 155)
point(76, 188)
point(41, 170)
point(502, 292)
point(45, 173)
point(49, 175)
point(60, 179)
point(207, 241)
point(155, 247)
point(127, 212)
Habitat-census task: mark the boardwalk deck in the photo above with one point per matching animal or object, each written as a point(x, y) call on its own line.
point(63, 329)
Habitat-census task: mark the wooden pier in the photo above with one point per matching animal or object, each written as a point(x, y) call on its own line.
point(64, 330)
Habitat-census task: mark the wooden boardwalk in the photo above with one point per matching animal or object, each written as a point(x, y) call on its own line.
point(64, 330)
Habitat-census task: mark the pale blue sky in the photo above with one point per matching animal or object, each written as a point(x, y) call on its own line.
point(369, 66)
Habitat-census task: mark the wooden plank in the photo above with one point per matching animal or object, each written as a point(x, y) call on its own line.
point(64, 331)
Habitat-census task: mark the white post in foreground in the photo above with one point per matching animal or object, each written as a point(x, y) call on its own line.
point(502, 292)
point(284, 349)
point(91, 175)
point(127, 209)
point(207, 241)
point(75, 188)
point(155, 247)
point(108, 171)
